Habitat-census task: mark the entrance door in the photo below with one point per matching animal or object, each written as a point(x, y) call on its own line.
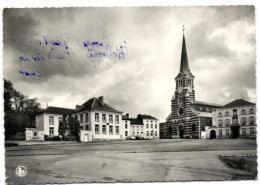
point(212, 134)
point(86, 137)
point(181, 133)
point(234, 132)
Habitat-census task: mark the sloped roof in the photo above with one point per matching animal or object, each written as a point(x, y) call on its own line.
point(238, 103)
point(95, 104)
point(144, 116)
point(205, 103)
point(57, 110)
point(136, 121)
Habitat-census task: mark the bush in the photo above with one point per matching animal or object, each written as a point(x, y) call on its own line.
point(70, 138)
point(55, 138)
point(17, 136)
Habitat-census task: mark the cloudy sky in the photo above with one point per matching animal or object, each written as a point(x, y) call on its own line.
point(220, 44)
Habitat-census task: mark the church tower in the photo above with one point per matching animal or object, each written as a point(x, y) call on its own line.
point(181, 117)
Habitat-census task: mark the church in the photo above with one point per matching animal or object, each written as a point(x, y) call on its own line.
point(188, 117)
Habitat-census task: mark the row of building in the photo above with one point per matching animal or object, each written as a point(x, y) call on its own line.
point(188, 118)
point(98, 121)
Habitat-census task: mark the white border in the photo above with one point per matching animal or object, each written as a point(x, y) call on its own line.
point(111, 3)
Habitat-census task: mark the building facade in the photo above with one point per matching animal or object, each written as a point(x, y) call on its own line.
point(233, 120)
point(143, 127)
point(188, 117)
point(99, 121)
point(49, 119)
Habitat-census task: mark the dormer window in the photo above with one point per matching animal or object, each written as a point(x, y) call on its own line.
point(251, 111)
point(220, 114)
point(235, 112)
point(243, 112)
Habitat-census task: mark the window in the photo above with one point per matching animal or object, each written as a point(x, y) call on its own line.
point(51, 120)
point(51, 131)
point(151, 133)
point(220, 122)
point(133, 128)
point(126, 133)
point(243, 121)
point(81, 118)
point(220, 132)
point(243, 131)
point(251, 120)
point(86, 117)
point(110, 118)
point(96, 129)
point(117, 130)
point(147, 133)
point(60, 119)
point(227, 122)
point(111, 130)
point(155, 134)
point(137, 133)
point(35, 134)
point(251, 111)
point(133, 133)
point(243, 112)
point(193, 127)
point(227, 114)
point(200, 107)
point(220, 114)
point(227, 132)
point(207, 109)
point(151, 125)
point(142, 129)
point(137, 128)
point(104, 118)
point(147, 125)
point(96, 117)
point(117, 119)
point(104, 129)
point(126, 126)
point(252, 130)
point(151, 121)
point(235, 112)
point(86, 127)
point(155, 126)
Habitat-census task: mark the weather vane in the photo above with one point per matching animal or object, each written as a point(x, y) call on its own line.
point(183, 28)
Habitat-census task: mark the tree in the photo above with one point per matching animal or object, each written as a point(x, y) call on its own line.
point(74, 126)
point(63, 127)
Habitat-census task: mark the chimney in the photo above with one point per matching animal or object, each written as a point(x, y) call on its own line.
point(78, 107)
point(101, 100)
point(127, 115)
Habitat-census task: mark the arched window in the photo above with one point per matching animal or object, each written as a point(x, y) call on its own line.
point(220, 122)
point(227, 122)
point(243, 121)
point(251, 111)
point(227, 114)
point(235, 112)
point(243, 112)
point(220, 114)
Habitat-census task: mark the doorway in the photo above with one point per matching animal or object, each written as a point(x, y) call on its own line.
point(212, 134)
point(86, 137)
point(234, 132)
point(181, 133)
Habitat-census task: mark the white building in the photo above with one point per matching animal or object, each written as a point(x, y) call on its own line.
point(99, 121)
point(144, 126)
point(233, 120)
point(48, 120)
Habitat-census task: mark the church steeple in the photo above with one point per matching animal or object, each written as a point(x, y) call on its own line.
point(184, 58)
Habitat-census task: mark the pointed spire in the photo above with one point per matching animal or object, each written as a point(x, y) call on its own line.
point(184, 58)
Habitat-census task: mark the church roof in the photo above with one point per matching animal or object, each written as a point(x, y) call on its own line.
point(184, 58)
point(96, 104)
point(238, 103)
point(205, 103)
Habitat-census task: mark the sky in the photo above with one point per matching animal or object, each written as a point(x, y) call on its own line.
point(220, 45)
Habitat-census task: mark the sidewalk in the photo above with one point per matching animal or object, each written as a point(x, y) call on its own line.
point(24, 143)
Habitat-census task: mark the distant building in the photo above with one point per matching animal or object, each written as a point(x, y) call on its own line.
point(188, 117)
point(99, 121)
point(233, 120)
point(48, 120)
point(144, 126)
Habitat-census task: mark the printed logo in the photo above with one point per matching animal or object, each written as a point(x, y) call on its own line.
point(21, 171)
